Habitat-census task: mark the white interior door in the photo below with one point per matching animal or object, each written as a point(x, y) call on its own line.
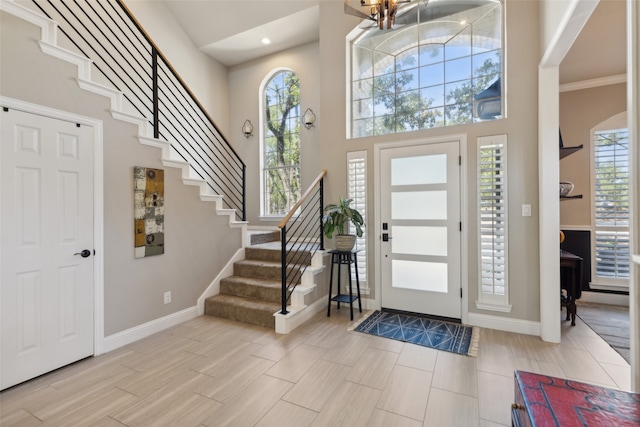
point(46, 221)
point(420, 227)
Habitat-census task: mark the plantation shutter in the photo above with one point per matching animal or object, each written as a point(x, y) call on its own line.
point(492, 220)
point(357, 191)
point(611, 204)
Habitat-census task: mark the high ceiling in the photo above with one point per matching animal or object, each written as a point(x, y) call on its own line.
point(231, 31)
point(600, 49)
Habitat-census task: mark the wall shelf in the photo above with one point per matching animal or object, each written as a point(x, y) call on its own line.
point(565, 151)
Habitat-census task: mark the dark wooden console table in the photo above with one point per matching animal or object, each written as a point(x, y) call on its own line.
point(570, 279)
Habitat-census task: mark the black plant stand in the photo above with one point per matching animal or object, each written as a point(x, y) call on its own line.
point(344, 258)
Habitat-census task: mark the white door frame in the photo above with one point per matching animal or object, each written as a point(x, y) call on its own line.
point(98, 204)
point(464, 214)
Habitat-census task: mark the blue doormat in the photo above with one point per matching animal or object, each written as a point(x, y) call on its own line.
point(431, 333)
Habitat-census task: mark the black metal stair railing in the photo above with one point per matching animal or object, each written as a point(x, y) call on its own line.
point(301, 237)
point(126, 59)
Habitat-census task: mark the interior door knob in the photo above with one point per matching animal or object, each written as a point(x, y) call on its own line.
point(85, 253)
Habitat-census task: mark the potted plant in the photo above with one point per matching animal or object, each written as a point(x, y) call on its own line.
point(335, 220)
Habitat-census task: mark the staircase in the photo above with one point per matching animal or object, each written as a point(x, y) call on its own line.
point(253, 294)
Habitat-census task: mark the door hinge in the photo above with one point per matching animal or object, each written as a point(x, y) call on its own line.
point(460, 225)
point(460, 160)
point(460, 292)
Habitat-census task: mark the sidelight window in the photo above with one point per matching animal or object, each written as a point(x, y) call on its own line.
point(493, 292)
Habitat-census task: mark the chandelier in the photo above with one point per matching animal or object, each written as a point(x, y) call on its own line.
point(380, 11)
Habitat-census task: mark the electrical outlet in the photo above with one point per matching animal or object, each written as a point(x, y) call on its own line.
point(167, 297)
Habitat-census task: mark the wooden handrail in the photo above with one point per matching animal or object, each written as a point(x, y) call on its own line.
point(304, 197)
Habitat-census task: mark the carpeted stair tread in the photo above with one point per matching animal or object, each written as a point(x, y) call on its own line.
point(254, 292)
point(263, 263)
point(272, 252)
point(260, 269)
point(268, 270)
point(254, 281)
point(245, 310)
point(259, 253)
point(252, 287)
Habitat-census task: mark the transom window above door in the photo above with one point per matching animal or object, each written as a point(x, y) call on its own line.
point(441, 66)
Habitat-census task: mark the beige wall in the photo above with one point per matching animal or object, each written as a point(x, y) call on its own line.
point(198, 242)
point(133, 288)
point(245, 81)
point(323, 70)
point(581, 111)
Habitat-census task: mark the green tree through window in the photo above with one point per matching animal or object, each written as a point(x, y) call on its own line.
point(611, 204)
point(436, 71)
point(281, 149)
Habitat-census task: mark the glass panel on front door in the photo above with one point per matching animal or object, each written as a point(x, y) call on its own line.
point(420, 259)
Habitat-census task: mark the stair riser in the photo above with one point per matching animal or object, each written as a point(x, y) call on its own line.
point(246, 290)
point(267, 272)
point(256, 239)
point(240, 314)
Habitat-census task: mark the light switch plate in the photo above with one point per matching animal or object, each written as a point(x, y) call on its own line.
point(526, 210)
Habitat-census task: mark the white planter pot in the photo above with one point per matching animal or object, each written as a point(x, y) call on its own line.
point(345, 242)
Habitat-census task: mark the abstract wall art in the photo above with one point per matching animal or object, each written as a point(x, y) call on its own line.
point(148, 196)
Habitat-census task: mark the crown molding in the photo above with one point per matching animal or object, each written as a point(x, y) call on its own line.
point(588, 84)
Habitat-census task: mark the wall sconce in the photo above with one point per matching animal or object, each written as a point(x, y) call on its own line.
point(308, 118)
point(247, 129)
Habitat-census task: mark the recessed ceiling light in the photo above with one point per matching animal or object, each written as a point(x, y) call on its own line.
point(266, 41)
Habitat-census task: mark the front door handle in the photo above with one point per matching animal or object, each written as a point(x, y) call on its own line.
point(85, 253)
point(386, 237)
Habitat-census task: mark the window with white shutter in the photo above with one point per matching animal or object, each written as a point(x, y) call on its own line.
point(357, 191)
point(493, 292)
point(611, 207)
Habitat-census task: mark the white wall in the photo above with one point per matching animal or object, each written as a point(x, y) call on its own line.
point(633, 110)
point(560, 23)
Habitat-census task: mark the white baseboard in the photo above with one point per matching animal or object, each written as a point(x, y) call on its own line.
point(139, 332)
point(290, 321)
point(504, 324)
point(369, 304)
point(602, 298)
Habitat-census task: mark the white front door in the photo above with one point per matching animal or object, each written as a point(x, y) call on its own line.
point(420, 229)
point(46, 221)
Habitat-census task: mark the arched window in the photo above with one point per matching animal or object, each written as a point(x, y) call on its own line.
point(441, 66)
point(281, 144)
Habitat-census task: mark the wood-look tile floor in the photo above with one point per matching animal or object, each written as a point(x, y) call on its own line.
point(214, 372)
